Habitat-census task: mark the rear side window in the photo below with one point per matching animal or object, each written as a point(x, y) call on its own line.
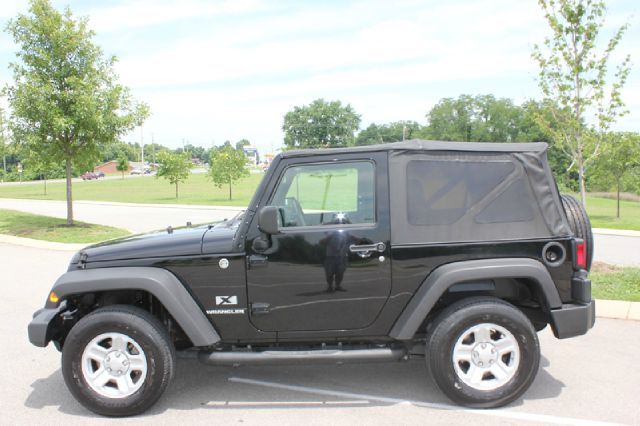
point(441, 192)
point(463, 197)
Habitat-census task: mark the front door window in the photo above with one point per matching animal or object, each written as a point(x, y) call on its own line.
point(326, 194)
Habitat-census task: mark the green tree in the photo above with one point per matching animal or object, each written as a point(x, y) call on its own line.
point(480, 118)
point(39, 165)
point(573, 75)
point(227, 165)
point(174, 167)
point(3, 143)
point(242, 143)
point(620, 156)
point(320, 124)
point(391, 132)
point(122, 163)
point(65, 98)
point(370, 135)
point(194, 151)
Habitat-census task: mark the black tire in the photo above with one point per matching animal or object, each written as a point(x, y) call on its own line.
point(141, 329)
point(579, 223)
point(453, 323)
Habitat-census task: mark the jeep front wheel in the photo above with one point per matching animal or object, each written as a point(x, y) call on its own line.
point(483, 352)
point(118, 360)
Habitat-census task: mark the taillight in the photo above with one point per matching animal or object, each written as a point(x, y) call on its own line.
point(581, 254)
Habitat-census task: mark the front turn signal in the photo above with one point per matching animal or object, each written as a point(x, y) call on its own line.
point(53, 297)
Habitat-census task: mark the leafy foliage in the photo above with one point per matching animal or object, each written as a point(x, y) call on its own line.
point(573, 75)
point(226, 165)
point(122, 163)
point(392, 132)
point(480, 118)
point(320, 124)
point(620, 158)
point(173, 167)
point(65, 99)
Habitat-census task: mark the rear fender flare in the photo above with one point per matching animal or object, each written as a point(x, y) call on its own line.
point(443, 277)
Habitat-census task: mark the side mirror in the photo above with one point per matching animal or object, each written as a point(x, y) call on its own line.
point(268, 220)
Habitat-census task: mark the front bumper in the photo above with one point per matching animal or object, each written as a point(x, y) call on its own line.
point(573, 319)
point(42, 327)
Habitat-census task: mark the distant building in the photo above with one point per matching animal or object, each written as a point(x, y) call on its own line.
point(111, 167)
point(108, 167)
point(252, 154)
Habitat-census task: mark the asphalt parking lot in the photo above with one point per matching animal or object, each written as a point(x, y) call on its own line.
point(586, 380)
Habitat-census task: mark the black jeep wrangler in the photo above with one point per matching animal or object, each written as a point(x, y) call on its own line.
point(455, 252)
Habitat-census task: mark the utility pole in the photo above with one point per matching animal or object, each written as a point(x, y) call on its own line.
point(153, 149)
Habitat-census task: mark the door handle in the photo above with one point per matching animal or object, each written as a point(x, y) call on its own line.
point(257, 261)
point(365, 250)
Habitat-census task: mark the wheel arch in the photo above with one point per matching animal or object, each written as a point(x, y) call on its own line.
point(444, 277)
point(160, 283)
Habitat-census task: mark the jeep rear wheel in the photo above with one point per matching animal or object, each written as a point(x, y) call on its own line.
point(483, 352)
point(118, 360)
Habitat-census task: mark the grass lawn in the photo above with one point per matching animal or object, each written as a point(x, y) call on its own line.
point(145, 189)
point(602, 212)
point(615, 283)
point(53, 229)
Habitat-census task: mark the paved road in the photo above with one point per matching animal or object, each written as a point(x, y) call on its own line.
point(617, 249)
point(134, 217)
point(590, 378)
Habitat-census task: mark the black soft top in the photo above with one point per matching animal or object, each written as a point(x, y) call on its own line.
point(423, 145)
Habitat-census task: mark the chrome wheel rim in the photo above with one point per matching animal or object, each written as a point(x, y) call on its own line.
point(486, 356)
point(114, 365)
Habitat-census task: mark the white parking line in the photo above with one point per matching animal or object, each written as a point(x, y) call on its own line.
point(508, 414)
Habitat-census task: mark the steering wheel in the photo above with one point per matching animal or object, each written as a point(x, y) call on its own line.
point(293, 213)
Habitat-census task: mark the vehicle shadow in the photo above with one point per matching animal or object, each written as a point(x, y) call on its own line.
point(198, 386)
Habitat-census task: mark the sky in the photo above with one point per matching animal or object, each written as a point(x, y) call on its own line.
point(213, 71)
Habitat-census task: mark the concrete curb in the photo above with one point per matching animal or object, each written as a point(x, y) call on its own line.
point(47, 245)
point(618, 232)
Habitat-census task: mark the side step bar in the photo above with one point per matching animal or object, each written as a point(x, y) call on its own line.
point(301, 357)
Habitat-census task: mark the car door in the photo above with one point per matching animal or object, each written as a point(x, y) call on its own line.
point(329, 267)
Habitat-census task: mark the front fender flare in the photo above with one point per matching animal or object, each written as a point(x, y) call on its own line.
point(159, 282)
point(443, 277)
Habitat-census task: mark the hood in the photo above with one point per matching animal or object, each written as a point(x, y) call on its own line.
point(178, 242)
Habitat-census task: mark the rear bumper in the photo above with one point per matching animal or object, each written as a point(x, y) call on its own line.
point(41, 327)
point(573, 319)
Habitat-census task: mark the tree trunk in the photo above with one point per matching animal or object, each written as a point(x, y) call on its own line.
point(583, 188)
point(176, 189)
point(618, 197)
point(44, 178)
point(229, 189)
point(69, 194)
point(123, 174)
